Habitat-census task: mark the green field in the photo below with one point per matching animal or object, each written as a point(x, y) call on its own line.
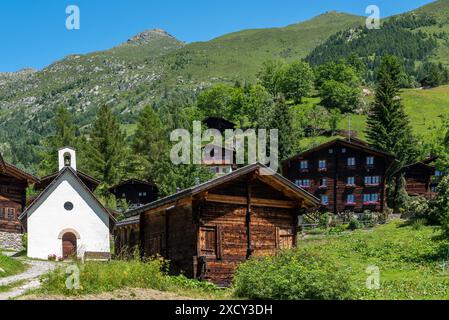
point(410, 260)
point(423, 106)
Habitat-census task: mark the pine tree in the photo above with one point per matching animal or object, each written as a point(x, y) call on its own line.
point(64, 136)
point(107, 149)
point(388, 126)
point(282, 121)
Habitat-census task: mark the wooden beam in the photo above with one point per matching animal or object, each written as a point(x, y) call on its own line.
point(258, 202)
point(248, 220)
point(178, 203)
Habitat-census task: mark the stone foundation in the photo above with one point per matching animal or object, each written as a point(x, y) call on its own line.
point(11, 241)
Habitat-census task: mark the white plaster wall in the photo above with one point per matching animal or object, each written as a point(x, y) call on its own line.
point(48, 219)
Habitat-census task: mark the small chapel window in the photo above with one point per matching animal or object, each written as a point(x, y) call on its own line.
point(68, 206)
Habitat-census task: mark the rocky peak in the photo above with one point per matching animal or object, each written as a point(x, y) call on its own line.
point(148, 36)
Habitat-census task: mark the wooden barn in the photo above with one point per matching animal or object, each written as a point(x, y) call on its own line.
point(346, 175)
point(421, 179)
point(207, 230)
point(13, 185)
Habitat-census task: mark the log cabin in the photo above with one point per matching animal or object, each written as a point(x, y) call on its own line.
point(421, 178)
point(208, 230)
point(13, 185)
point(345, 174)
point(135, 192)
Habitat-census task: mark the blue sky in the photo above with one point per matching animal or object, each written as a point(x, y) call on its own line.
point(33, 33)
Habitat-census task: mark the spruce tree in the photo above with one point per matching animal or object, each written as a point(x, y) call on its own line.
point(282, 121)
point(107, 149)
point(64, 135)
point(388, 126)
point(149, 143)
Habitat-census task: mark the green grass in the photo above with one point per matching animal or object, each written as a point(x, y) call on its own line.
point(99, 277)
point(409, 258)
point(11, 286)
point(10, 266)
point(423, 106)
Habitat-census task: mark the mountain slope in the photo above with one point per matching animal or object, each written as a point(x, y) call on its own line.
point(140, 72)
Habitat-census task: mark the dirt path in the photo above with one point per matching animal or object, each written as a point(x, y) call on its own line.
point(125, 294)
point(30, 277)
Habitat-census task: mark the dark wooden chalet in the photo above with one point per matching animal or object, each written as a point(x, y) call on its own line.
point(135, 192)
point(218, 123)
point(346, 175)
point(13, 185)
point(207, 230)
point(421, 178)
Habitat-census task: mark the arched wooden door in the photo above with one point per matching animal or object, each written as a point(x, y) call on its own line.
point(69, 249)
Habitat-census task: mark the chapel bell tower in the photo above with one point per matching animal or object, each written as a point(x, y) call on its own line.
point(67, 158)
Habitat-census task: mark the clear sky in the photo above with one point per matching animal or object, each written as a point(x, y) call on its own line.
point(33, 32)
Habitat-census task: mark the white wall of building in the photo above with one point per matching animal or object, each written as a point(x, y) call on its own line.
point(48, 219)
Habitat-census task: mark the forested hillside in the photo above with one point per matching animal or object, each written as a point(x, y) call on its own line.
point(153, 68)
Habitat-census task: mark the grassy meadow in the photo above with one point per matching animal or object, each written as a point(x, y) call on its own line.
point(423, 106)
point(9, 266)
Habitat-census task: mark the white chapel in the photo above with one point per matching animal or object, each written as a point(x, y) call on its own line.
point(66, 219)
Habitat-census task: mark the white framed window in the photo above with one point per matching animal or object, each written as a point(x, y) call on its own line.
point(322, 164)
point(370, 161)
point(371, 198)
point(350, 181)
point(351, 162)
point(304, 164)
point(303, 183)
point(350, 199)
point(324, 200)
point(323, 183)
point(372, 181)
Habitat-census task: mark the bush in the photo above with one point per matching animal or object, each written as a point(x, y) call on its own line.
point(325, 220)
point(418, 208)
point(96, 277)
point(293, 275)
point(418, 224)
point(354, 224)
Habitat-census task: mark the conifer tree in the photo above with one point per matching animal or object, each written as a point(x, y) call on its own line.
point(388, 126)
point(64, 136)
point(107, 148)
point(282, 121)
point(149, 143)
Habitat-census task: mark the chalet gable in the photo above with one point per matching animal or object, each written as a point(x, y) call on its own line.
point(257, 172)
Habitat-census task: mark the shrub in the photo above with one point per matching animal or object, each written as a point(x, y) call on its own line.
point(354, 224)
point(418, 208)
point(25, 241)
point(293, 275)
point(418, 224)
point(96, 277)
point(325, 220)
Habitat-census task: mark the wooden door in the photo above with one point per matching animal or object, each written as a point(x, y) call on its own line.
point(286, 238)
point(69, 245)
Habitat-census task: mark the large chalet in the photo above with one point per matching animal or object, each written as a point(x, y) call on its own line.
point(346, 175)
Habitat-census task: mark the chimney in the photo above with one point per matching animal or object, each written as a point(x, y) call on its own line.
point(67, 158)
